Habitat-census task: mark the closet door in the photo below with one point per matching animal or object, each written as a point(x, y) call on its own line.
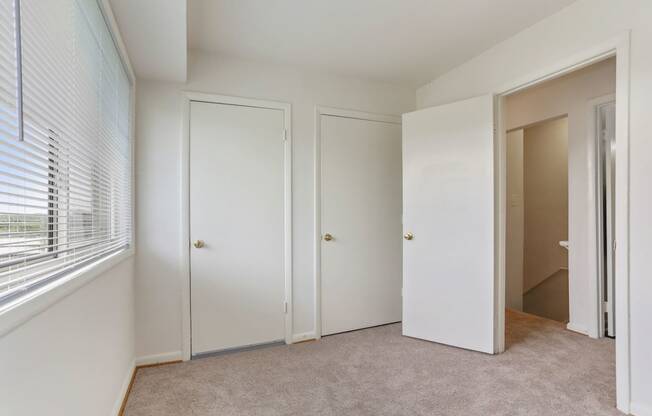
point(448, 206)
point(360, 223)
point(237, 226)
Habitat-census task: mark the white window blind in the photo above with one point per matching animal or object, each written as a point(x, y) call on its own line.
point(9, 42)
point(65, 182)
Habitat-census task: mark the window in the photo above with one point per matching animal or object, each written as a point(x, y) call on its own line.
point(65, 145)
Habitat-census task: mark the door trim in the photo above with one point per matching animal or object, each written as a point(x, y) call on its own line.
point(336, 112)
point(619, 47)
point(184, 208)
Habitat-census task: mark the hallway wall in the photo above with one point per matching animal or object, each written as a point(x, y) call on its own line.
point(515, 221)
point(549, 299)
point(545, 178)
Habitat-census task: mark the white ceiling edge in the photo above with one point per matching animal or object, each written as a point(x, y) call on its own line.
point(155, 34)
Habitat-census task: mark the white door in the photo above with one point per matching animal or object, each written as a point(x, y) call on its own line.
point(448, 194)
point(361, 210)
point(237, 211)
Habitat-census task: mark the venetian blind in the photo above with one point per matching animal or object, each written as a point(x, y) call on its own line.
point(65, 176)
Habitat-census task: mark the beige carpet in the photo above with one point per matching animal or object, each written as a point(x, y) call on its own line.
point(545, 371)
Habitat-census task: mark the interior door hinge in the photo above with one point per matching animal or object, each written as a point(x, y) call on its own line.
point(285, 135)
point(285, 307)
point(614, 246)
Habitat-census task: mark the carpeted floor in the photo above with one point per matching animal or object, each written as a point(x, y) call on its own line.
point(546, 370)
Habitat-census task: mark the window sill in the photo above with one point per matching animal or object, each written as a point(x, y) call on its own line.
point(17, 312)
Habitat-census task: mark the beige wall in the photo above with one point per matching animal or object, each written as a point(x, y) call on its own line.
point(537, 217)
point(545, 178)
point(550, 298)
point(515, 214)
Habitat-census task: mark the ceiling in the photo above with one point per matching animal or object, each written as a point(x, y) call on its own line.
point(407, 42)
point(155, 33)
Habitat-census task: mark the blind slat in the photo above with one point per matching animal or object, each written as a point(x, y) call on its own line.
point(75, 245)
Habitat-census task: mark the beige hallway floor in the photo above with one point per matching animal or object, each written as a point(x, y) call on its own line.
point(546, 370)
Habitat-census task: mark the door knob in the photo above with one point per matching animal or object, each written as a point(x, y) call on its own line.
point(408, 236)
point(328, 237)
point(198, 243)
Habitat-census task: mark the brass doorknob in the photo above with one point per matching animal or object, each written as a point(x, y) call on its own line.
point(328, 237)
point(408, 236)
point(198, 243)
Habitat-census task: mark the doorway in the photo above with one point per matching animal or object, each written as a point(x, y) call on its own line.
point(470, 161)
point(561, 210)
point(239, 223)
point(537, 219)
point(617, 49)
point(359, 201)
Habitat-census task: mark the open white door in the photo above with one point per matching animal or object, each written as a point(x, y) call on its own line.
point(448, 206)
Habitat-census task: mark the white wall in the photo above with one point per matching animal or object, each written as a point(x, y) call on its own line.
point(583, 25)
point(159, 278)
point(76, 357)
point(158, 285)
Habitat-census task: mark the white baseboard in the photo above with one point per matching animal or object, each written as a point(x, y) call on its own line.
point(638, 409)
point(159, 358)
point(124, 389)
point(577, 328)
point(303, 336)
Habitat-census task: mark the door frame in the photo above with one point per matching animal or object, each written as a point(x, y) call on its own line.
point(619, 47)
point(597, 326)
point(184, 208)
point(336, 112)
